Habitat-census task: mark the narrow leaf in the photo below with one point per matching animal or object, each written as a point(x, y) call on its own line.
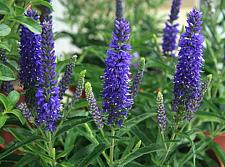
point(3, 119)
point(18, 114)
point(136, 154)
point(17, 145)
point(71, 124)
point(96, 152)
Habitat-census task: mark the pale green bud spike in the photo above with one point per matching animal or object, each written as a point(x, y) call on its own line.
point(88, 87)
point(73, 59)
point(83, 73)
point(160, 97)
point(142, 63)
point(206, 83)
point(161, 112)
point(80, 86)
point(92, 105)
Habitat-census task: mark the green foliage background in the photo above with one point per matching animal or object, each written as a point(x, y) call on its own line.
point(139, 143)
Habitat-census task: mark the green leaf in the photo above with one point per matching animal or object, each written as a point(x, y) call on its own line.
point(64, 153)
point(199, 147)
point(218, 151)
point(25, 160)
point(4, 9)
point(72, 123)
point(4, 30)
point(17, 145)
point(19, 10)
point(210, 117)
point(4, 46)
point(31, 24)
point(13, 98)
point(138, 153)
point(41, 2)
point(6, 74)
point(1, 140)
point(96, 152)
point(141, 135)
point(66, 164)
point(4, 101)
point(18, 114)
point(19, 133)
point(3, 119)
point(134, 121)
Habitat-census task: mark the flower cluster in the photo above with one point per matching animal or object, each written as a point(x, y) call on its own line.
point(117, 98)
point(93, 108)
point(187, 81)
point(79, 87)
point(47, 100)
point(25, 110)
point(175, 9)
point(65, 81)
point(161, 111)
point(30, 54)
point(138, 77)
point(170, 31)
point(119, 8)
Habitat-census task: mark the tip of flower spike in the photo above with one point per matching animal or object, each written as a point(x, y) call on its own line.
point(159, 97)
point(83, 73)
point(206, 83)
point(209, 78)
point(142, 63)
point(74, 59)
point(88, 87)
point(119, 8)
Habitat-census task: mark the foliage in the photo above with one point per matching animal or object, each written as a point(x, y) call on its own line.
point(139, 143)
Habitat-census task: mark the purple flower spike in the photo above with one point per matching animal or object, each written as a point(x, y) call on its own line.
point(65, 81)
point(187, 79)
point(47, 100)
point(169, 39)
point(26, 112)
point(161, 112)
point(175, 9)
point(30, 54)
point(170, 31)
point(93, 108)
point(117, 98)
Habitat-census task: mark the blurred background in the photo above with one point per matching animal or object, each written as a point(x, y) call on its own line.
point(60, 16)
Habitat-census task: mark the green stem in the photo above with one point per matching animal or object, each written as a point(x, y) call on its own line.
point(95, 141)
point(169, 148)
point(111, 155)
point(51, 149)
point(173, 137)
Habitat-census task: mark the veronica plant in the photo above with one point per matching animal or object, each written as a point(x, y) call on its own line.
point(117, 90)
point(170, 31)
point(187, 79)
